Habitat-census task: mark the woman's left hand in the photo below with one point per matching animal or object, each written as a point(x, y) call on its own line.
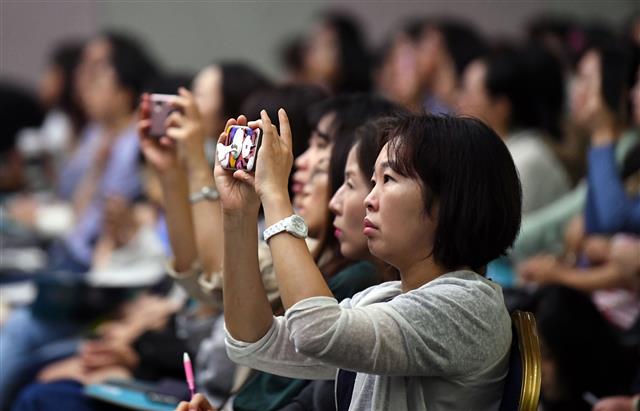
point(197, 403)
point(275, 158)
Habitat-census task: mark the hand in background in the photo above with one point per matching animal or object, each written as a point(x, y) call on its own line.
point(197, 403)
point(614, 404)
point(185, 125)
point(106, 353)
point(160, 153)
point(544, 269)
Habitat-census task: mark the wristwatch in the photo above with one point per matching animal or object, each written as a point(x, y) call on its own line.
point(205, 193)
point(293, 225)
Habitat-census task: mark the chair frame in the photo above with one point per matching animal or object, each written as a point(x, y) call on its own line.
point(529, 344)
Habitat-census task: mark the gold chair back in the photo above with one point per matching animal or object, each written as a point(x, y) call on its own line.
point(529, 344)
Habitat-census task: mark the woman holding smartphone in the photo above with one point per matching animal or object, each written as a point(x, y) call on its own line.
point(439, 338)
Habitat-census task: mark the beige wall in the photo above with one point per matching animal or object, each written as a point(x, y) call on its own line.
point(189, 34)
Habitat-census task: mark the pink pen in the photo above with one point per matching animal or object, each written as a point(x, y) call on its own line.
point(188, 371)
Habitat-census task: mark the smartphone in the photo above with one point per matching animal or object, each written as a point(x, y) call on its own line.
point(240, 149)
point(160, 109)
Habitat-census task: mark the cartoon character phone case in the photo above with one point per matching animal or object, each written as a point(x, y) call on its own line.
point(240, 148)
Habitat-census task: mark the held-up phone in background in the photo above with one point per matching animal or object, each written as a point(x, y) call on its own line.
point(160, 109)
point(240, 149)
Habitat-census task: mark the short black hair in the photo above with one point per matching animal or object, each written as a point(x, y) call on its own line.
point(292, 54)
point(532, 79)
point(132, 63)
point(368, 149)
point(566, 319)
point(355, 59)
point(169, 83)
point(466, 169)
point(556, 32)
point(66, 56)
point(239, 80)
point(20, 109)
point(615, 75)
point(462, 41)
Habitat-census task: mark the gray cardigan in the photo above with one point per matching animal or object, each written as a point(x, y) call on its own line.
point(443, 346)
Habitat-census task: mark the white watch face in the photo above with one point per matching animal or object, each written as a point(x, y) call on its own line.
point(297, 226)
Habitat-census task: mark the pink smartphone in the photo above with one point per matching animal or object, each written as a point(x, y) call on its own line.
point(240, 149)
point(160, 109)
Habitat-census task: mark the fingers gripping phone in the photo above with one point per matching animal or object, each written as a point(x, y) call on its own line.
point(161, 108)
point(240, 149)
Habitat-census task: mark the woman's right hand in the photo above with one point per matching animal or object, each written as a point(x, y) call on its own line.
point(185, 125)
point(160, 153)
point(237, 194)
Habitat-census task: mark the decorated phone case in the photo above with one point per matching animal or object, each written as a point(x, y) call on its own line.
point(240, 149)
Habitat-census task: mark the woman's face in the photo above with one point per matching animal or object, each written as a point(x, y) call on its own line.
point(347, 205)
point(321, 59)
point(319, 149)
point(101, 95)
point(398, 229)
point(207, 90)
point(314, 199)
point(586, 88)
point(430, 52)
point(398, 78)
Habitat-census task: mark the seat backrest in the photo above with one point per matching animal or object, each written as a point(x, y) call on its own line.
point(522, 386)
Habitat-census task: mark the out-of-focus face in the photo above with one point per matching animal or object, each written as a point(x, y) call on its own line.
point(549, 384)
point(398, 79)
point(100, 93)
point(474, 99)
point(635, 100)
point(586, 88)
point(51, 86)
point(398, 229)
point(430, 51)
point(348, 206)
point(322, 56)
point(319, 148)
point(207, 91)
point(313, 204)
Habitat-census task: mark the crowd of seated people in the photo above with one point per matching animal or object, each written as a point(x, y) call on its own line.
point(402, 203)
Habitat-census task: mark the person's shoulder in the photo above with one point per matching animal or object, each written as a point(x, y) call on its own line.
point(378, 293)
point(465, 287)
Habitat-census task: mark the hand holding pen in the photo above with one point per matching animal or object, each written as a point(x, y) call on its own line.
point(198, 401)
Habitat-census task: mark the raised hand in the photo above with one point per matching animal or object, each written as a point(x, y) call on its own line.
point(160, 153)
point(185, 125)
point(237, 194)
point(275, 158)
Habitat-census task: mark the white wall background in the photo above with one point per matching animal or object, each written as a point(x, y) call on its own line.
point(189, 34)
